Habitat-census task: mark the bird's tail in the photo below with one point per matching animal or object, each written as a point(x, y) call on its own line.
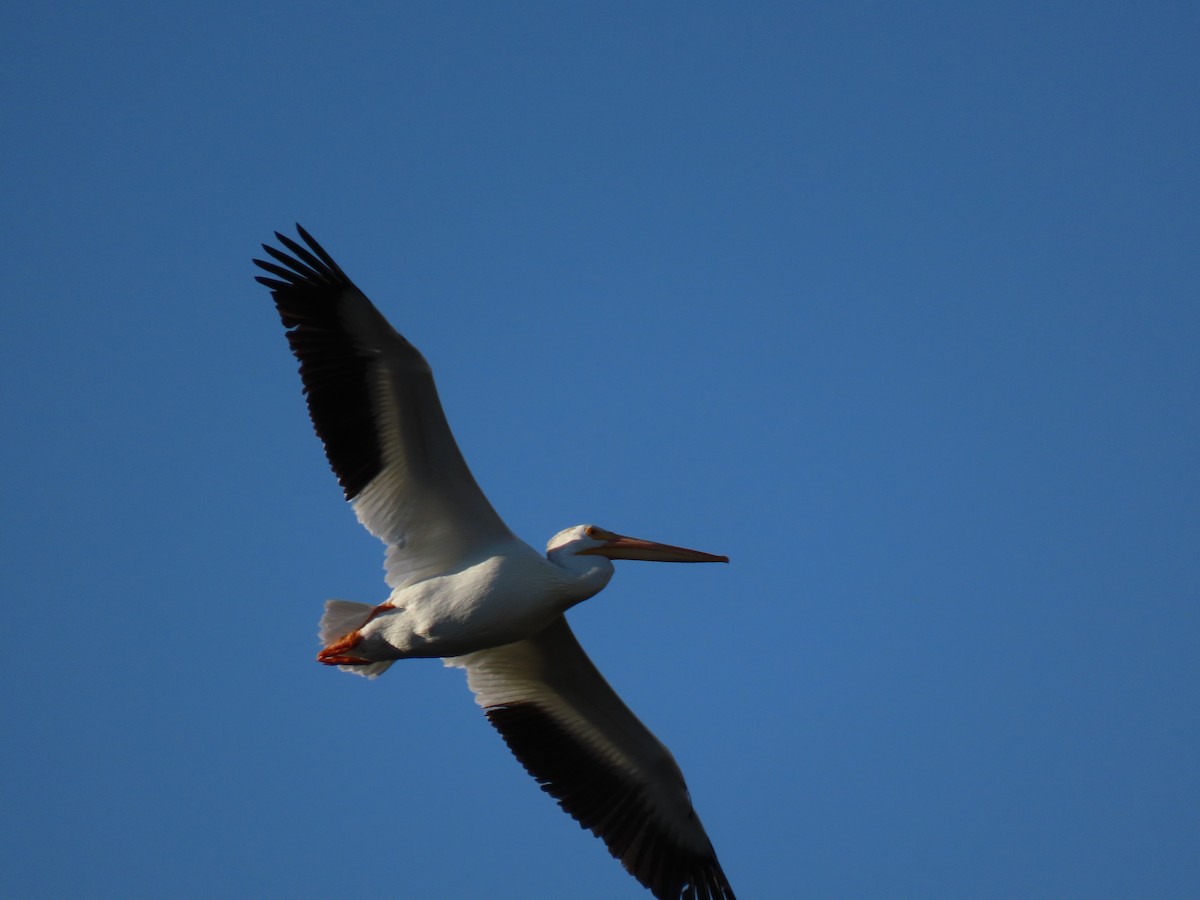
point(342, 617)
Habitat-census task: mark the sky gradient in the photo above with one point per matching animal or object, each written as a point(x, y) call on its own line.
point(897, 306)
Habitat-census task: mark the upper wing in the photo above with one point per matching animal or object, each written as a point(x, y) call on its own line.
point(573, 734)
point(374, 405)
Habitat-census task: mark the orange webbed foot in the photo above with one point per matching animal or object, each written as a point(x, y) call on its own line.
point(335, 654)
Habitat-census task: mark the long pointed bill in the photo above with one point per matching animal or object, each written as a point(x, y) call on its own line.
point(617, 546)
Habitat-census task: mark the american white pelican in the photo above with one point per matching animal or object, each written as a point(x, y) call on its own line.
point(466, 589)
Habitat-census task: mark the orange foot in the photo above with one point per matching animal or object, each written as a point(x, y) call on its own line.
point(335, 654)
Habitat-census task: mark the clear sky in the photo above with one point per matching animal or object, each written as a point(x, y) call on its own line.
point(898, 305)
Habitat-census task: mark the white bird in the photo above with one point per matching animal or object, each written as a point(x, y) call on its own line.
point(465, 589)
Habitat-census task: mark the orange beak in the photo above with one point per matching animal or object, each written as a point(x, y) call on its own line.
point(618, 546)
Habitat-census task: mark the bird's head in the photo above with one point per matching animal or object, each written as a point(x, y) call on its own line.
point(584, 554)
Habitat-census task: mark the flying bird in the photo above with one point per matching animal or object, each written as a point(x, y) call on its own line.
point(465, 589)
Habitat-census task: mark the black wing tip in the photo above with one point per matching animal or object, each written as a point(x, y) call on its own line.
point(311, 263)
point(308, 238)
point(290, 242)
point(603, 800)
point(309, 288)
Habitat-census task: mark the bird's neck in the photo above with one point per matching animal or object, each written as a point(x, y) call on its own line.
point(581, 577)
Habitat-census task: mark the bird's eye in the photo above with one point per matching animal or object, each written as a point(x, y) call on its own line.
point(592, 531)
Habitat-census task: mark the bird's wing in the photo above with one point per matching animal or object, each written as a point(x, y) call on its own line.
point(584, 746)
point(373, 403)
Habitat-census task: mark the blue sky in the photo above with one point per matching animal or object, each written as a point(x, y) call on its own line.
point(894, 304)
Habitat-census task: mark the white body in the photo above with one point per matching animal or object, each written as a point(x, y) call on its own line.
point(506, 593)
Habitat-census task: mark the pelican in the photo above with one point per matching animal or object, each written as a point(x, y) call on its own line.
point(465, 589)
